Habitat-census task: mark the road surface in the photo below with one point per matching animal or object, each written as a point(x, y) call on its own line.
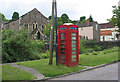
point(109, 72)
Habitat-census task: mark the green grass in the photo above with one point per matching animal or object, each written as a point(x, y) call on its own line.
point(50, 70)
point(89, 59)
point(11, 73)
point(98, 58)
point(0, 73)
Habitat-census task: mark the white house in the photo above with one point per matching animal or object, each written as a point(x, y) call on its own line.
point(108, 32)
point(89, 30)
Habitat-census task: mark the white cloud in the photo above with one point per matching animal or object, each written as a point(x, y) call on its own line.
point(99, 9)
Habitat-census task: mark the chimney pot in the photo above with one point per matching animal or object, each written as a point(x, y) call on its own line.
point(88, 22)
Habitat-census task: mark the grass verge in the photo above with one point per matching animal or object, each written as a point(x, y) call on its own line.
point(50, 70)
point(11, 73)
point(98, 58)
point(0, 73)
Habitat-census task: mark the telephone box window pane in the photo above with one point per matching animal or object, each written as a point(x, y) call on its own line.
point(74, 38)
point(74, 49)
point(62, 52)
point(73, 52)
point(62, 28)
point(62, 60)
point(73, 34)
point(73, 41)
point(62, 34)
point(62, 45)
point(62, 56)
point(73, 56)
point(62, 41)
point(62, 49)
point(62, 37)
point(73, 45)
point(73, 60)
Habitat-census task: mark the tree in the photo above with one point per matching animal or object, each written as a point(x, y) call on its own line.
point(91, 19)
point(2, 17)
point(65, 18)
point(82, 18)
point(84, 21)
point(47, 29)
point(49, 17)
point(116, 19)
point(15, 15)
point(74, 21)
point(59, 21)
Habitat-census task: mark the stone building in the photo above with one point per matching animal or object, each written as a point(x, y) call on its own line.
point(89, 30)
point(34, 21)
point(1, 24)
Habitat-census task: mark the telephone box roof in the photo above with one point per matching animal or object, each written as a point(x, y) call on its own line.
point(68, 24)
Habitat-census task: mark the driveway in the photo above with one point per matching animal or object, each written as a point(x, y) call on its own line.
point(109, 72)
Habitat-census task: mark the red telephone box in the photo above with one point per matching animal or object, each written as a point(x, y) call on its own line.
point(68, 44)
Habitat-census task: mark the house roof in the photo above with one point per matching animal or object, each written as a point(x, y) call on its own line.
point(3, 21)
point(85, 24)
point(106, 25)
point(26, 14)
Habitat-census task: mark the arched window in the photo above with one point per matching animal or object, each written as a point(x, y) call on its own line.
point(36, 25)
point(33, 26)
point(26, 26)
point(42, 28)
point(38, 35)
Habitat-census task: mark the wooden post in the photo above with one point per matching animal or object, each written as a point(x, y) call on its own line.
point(51, 36)
point(57, 63)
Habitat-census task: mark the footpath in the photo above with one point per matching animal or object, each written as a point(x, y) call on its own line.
point(40, 76)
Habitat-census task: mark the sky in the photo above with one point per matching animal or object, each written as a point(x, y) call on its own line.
point(101, 10)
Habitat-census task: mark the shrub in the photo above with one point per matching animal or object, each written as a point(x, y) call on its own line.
point(105, 52)
point(81, 46)
point(38, 45)
point(87, 54)
point(97, 48)
point(94, 53)
point(17, 46)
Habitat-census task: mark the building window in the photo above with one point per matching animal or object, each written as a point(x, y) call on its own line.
point(42, 26)
point(36, 25)
point(81, 28)
point(33, 26)
point(96, 26)
point(38, 35)
point(26, 26)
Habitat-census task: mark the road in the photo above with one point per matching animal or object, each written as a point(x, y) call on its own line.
point(109, 72)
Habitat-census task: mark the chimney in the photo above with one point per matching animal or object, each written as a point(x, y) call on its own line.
point(88, 22)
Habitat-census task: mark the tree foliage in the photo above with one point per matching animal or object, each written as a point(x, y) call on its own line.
point(116, 19)
point(59, 21)
point(2, 17)
point(83, 18)
point(49, 17)
point(15, 15)
point(91, 19)
point(84, 21)
point(65, 18)
point(47, 29)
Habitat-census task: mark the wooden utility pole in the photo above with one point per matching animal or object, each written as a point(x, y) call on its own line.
point(57, 63)
point(51, 36)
